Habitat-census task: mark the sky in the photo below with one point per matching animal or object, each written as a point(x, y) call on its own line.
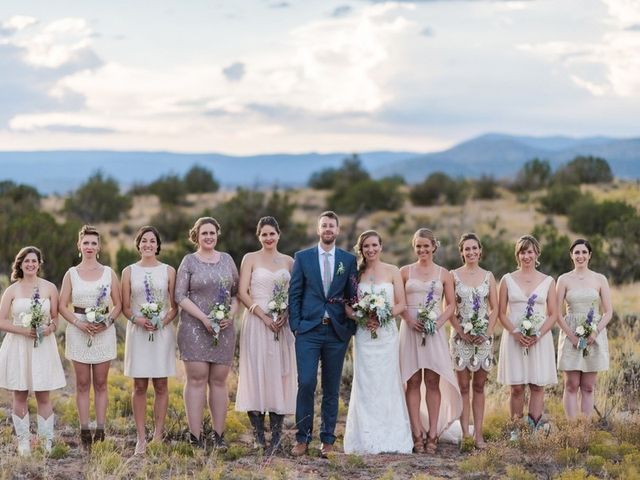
point(271, 76)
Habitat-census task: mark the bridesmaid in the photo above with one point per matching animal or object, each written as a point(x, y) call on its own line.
point(25, 367)
point(476, 296)
point(149, 351)
point(527, 360)
point(204, 278)
point(90, 346)
point(424, 279)
point(581, 290)
point(267, 376)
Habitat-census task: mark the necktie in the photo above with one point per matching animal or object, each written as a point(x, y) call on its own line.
point(326, 277)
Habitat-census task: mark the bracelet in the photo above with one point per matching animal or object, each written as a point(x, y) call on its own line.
point(514, 331)
point(253, 307)
point(132, 318)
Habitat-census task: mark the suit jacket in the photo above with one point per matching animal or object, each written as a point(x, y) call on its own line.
point(307, 300)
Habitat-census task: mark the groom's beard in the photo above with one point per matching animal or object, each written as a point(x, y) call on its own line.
point(328, 239)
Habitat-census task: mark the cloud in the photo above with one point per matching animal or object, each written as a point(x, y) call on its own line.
point(633, 28)
point(234, 72)
point(341, 11)
point(426, 32)
point(280, 5)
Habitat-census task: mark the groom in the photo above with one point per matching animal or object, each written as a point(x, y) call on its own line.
point(323, 278)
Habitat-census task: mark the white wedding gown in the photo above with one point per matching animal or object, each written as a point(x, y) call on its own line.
point(377, 420)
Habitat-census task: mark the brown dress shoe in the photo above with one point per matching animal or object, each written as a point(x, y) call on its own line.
point(299, 449)
point(326, 449)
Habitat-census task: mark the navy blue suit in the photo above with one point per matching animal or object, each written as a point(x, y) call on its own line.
point(317, 341)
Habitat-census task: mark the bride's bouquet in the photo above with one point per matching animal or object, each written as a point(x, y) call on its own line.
point(279, 302)
point(531, 321)
point(153, 306)
point(427, 314)
point(220, 310)
point(99, 312)
point(35, 317)
point(584, 329)
point(371, 304)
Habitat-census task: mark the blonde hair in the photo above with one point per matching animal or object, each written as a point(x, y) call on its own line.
point(193, 231)
point(525, 242)
point(428, 234)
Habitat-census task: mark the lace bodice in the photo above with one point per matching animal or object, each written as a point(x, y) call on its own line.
point(580, 300)
point(21, 305)
point(464, 297)
point(84, 293)
point(158, 285)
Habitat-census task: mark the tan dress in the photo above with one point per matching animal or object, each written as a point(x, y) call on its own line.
point(433, 356)
point(267, 379)
point(579, 301)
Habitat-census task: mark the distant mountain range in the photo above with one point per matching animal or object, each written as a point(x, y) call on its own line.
point(494, 154)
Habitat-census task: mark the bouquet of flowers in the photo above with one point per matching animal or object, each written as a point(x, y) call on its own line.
point(427, 314)
point(99, 312)
point(153, 306)
point(220, 310)
point(279, 302)
point(476, 324)
point(584, 330)
point(35, 317)
point(371, 304)
point(531, 321)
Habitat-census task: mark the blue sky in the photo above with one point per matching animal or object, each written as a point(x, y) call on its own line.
point(265, 76)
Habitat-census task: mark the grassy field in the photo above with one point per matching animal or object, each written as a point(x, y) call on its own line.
point(608, 446)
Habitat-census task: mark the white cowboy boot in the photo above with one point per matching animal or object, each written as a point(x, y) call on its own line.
point(21, 426)
point(45, 430)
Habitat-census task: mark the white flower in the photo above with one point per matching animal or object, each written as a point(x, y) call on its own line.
point(283, 306)
point(580, 330)
point(359, 314)
point(26, 319)
point(363, 303)
point(467, 327)
point(526, 324)
point(91, 316)
point(379, 302)
point(272, 305)
point(219, 315)
point(153, 306)
point(433, 315)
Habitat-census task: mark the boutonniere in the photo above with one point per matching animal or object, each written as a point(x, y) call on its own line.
point(340, 269)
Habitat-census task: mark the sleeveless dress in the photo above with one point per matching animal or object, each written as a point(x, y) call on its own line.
point(144, 358)
point(538, 366)
point(466, 355)
point(267, 378)
point(84, 294)
point(579, 301)
point(203, 282)
point(25, 367)
point(377, 420)
point(434, 355)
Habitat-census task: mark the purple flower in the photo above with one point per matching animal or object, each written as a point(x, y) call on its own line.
point(429, 298)
point(590, 314)
point(101, 296)
point(36, 296)
point(530, 303)
point(148, 293)
point(476, 303)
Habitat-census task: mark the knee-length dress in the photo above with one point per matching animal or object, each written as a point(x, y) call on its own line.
point(579, 301)
point(267, 379)
point(84, 294)
point(205, 283)
point(467, 355)
point(147, 356)
point(24, 366)
point(537, 367)
point(434, 355)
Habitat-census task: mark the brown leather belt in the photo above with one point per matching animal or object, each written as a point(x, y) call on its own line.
point(82, 311)
point(326, 321)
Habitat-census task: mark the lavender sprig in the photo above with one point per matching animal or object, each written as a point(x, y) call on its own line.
point(427, 315)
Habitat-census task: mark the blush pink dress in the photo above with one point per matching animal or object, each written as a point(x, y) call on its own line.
point(433, 356)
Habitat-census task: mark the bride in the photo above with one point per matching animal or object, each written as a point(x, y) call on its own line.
point(377, 420)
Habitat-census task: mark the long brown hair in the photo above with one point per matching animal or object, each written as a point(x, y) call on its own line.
point(16, 271)
point(362, 261)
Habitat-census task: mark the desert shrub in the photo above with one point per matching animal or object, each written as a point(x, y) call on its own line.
point(584, 169)
point(590, 217)
point(439, 188)
point(97, 200)
point(485, 188)
point(350, 172)
point(534, 175)
point(170, 189)
point(367, 196)
point(172, 224)
point(624, 253)
point(200, 180)
point(125, 257)
point(559, 199)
